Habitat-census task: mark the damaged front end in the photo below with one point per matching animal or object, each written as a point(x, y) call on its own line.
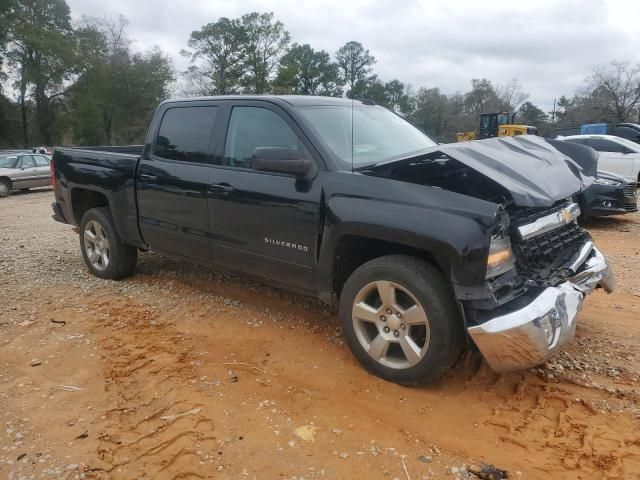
point(557, 265)
point(540, 263)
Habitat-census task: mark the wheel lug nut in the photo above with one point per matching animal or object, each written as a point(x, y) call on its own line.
point(402, 326)
point(383, 318)
point(386, 329)
point(389, 312)
point(396, 333)
point(399, 315)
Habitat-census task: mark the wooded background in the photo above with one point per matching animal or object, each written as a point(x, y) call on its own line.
point(80, 83)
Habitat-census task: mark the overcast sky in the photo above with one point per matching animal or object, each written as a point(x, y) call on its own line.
point(550, 46)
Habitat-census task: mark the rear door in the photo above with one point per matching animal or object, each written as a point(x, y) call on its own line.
point(173, 177)
point(42, 171)
point(613, 157)
point(262, 223)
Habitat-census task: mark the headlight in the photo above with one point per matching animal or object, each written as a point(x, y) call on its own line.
point(501, 258)
point(605, 181)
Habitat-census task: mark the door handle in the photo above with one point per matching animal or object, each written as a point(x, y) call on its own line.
point(223, 188)
point(147, 177)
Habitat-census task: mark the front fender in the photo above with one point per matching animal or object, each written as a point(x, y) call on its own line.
point(454, 235)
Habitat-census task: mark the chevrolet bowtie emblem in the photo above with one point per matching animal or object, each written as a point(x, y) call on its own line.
point(566, 216)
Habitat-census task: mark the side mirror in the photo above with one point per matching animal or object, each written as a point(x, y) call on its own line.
point(281, 160)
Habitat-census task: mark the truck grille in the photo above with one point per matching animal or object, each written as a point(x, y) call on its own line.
point(544, 259)
point(523, 216)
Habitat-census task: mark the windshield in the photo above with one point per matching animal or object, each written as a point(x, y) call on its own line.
point(8, 162)
point(377, 134)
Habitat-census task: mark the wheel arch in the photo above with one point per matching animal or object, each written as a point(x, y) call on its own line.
point(83, 199)
point(351, 250)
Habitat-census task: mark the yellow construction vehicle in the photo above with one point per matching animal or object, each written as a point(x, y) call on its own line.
point(501, 124)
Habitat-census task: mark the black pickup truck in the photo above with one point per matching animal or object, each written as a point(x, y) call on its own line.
point(426, 249)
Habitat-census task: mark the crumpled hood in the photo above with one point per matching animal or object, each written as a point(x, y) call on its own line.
point(534, 172)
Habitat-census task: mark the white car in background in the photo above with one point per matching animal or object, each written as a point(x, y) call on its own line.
point(616, 155)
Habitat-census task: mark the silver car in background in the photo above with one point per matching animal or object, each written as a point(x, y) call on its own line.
point(22, 171)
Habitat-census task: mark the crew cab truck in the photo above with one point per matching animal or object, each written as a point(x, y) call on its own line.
point(426, 249)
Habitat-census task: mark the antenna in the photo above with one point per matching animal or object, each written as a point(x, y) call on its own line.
point(352, 126)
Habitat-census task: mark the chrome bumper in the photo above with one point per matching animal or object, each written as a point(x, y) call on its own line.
point(529, 333)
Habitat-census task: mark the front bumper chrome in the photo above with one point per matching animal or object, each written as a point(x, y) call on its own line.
point(527, 331)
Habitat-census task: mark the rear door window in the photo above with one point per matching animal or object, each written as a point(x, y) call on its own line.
point(185, 134)
point(604, 145)
point(41, 161)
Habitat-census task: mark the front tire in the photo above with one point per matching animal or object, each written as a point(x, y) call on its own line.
point(401, 321)
point(5, 188)
point(102, 249)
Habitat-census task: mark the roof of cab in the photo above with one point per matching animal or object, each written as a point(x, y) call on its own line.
point(293, 100)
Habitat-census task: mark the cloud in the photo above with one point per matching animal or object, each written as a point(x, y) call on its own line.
point(551, 46)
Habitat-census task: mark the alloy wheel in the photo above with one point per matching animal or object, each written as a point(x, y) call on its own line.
point(391, 324)
point(96, 245)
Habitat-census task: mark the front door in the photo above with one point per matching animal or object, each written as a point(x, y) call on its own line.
point(263, 223)
point(27, 176)
point(173, 178)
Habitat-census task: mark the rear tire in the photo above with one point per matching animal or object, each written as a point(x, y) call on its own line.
point(410, 336)
point(102, 249)
point(5, 188)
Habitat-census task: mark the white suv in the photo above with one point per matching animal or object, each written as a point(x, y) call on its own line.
point(616, 155)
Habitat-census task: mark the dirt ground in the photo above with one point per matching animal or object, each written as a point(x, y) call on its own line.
point(182, 372)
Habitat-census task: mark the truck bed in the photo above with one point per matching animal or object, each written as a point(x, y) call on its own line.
point(99, 177)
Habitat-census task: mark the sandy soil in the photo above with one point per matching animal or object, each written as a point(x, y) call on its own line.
point(183, 372)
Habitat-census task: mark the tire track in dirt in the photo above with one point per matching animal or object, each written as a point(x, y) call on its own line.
point(151, 432)
point(517, 420)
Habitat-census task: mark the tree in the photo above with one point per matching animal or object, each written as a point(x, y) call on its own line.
point(529, 114)
point(397, 97)
point(483, 98)
point(355, 64)
point(614, 91)
point(41, 51)
point(305, 71)
point(430, 111)
point(264, 43)
point(217, 57)
point(116, 91)
point(5, 9)
point(371, 88)
point(511, 94)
